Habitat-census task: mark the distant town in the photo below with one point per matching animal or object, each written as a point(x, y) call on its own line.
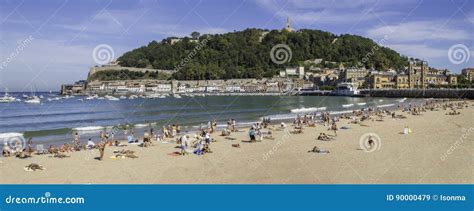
point(418, 75)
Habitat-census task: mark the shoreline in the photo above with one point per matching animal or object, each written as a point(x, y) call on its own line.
point(284, 117)
point(285, 159)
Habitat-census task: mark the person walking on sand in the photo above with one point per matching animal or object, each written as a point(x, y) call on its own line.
point(101, 147)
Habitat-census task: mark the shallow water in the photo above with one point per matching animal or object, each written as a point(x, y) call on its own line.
point(53, 121)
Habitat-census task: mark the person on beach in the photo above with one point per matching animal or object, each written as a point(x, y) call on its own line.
point(6, 151)
point(334, 128)
point(90, 144)
point(30, 146)
point(101, 147)
point(178, 128)
point(252, 134)
point(184, 144)
point(146, 140)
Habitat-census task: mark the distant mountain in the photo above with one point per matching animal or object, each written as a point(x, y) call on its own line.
point(246, 54)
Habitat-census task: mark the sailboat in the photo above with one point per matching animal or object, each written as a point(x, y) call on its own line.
point(7, 98)
point(33, 99)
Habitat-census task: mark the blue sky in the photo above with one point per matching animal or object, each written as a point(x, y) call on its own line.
point(62, 34)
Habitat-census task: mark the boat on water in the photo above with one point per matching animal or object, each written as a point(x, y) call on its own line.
point(346, 89)
point(7, 98)
point(33, 100)
point(112, 98)
point(122, 97)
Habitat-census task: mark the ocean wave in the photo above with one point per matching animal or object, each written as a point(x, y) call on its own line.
point(385, 105)
point(306, 110)
point(347, 105)
point(10, 135)
point(89, 128)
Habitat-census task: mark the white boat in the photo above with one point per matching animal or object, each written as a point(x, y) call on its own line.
point(33, 100)
point(112, 98)
point(177, 96)
point(122, 97)
point(361, 104)
point(7, 98)
point(346, 89)
point(24, 96)
point(132, 97)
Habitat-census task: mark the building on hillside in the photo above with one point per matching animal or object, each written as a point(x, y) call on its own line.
point(288, 25)
point(468, 73)
point(297, 72)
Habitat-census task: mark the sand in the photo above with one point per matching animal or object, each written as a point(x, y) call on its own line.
point(440, 150)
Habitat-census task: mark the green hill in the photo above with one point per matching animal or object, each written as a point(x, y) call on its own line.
point(246, 54)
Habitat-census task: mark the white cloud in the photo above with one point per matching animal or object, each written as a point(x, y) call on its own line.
point(330, 11)
point(421, 51)
point(418, 31)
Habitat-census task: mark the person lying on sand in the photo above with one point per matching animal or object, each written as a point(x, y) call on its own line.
point(60, 155)
point(23, 155)
point(316, 149)
point(52, 149)
point(236, 145)
point(34, 167)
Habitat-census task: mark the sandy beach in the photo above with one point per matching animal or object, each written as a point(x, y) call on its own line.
point(439, 150)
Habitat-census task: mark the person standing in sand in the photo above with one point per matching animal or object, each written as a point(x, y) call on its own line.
point(101, 147)
point(334, 128)
point(252, 134)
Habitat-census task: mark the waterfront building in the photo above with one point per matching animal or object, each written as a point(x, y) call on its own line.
point(354, 75)
point(468, 73)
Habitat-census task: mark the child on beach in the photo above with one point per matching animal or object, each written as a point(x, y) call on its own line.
point(252, 134)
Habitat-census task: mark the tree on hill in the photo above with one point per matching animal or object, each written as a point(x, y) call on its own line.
point(246, 54)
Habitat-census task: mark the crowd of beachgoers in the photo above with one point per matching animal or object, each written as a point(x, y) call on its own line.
point(200, 142)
